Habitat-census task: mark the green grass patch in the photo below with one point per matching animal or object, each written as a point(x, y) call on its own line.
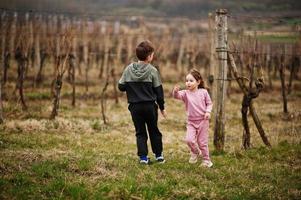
point(49, 169)
point(292, 21)
point(259, 173)
point(278, 38)
point(37, 95)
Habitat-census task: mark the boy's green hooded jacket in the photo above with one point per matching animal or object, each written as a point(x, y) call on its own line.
point(141, 82)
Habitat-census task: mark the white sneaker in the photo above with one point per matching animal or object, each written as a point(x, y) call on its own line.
point(193, 158)
point(207, 163)
point(160, 159)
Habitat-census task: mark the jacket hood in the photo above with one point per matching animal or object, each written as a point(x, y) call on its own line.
point(140, 71)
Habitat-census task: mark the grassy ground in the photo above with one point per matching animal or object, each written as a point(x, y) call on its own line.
point(76, 156)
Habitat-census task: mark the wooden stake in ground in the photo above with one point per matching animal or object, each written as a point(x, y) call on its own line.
point(5, 55)
point(103, 95)
point(221, 86)
point(115, 63)
point(212, 57)
point(2, 64)
point(1, 105)
point(283, 87)
point(269, 66)
point(12, 34)
point(72, 73)
point(179, 64)
point(72, 63)
point(293, 72)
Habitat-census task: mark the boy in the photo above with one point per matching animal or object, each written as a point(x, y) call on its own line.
point(141, 82)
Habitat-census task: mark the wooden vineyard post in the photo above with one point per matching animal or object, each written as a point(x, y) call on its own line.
point(107, 45)
point(103, 94)
point(180, 56)
point(85, 54)
point(129, 48)
point(1, 105)
point(115, 64)
point(212, 57)
point(221, 86)
point(269, 66)
point(101, 48)
point(72, 64)
point(2, 64)
point(4, 51)
point(291, 67)
point(29, 24)
point(283, 87)
point(37, 48)
point(10, 28)
point(12, 35)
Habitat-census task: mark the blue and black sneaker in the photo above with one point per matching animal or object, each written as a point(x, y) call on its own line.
point(160, 158)
point(144, 160)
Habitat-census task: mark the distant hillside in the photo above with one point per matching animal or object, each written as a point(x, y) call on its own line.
point(187, 8)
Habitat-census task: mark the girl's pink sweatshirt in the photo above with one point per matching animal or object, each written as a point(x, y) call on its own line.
point(197, 102)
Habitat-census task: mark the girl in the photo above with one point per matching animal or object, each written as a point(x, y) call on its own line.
point(198, 107)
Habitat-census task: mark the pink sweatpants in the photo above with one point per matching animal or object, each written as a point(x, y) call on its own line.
point(197, 137)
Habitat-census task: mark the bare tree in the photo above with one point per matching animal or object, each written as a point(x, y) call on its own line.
point(249, 94)
point(61, 67)
point(21, 55)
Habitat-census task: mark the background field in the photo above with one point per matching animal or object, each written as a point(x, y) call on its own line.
point(76, 156)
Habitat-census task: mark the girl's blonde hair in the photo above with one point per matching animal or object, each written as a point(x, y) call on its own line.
point(198, 77)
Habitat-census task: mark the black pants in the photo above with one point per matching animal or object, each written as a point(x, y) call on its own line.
point(146, 114)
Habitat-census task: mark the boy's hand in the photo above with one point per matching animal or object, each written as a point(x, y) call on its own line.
point(163, 112)
point(207, 115)
point(176, 88)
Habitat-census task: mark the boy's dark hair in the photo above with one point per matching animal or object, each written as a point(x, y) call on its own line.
point(197, 75)
point(144, 49)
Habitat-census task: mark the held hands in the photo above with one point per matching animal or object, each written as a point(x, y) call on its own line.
point(163, 112)
point(207, 115)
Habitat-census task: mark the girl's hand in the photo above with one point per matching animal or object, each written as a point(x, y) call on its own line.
point(176, 88)
point(207, 115)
